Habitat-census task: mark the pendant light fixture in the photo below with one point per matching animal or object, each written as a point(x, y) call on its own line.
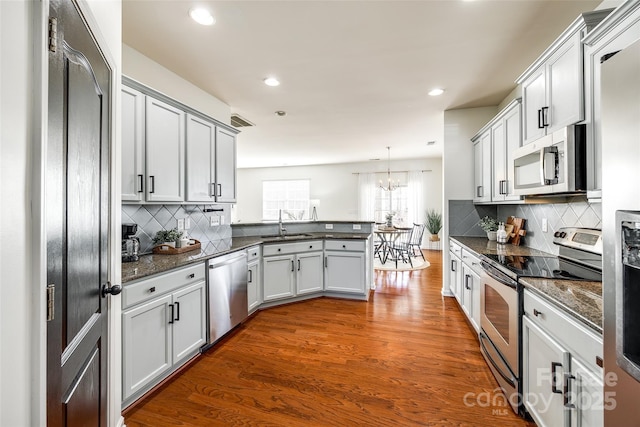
point(390, 186)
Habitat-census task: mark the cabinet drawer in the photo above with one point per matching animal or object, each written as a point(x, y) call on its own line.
point(292, 248)
point(253, 253)
point(583, 343)
point(138, 292)
point(455, 248)
point(344, 245)
point(472, 261)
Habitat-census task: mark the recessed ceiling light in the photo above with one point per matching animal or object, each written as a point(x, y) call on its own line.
point(201, 16)
point(436, 92)
point(281, 113)
point(271, 81)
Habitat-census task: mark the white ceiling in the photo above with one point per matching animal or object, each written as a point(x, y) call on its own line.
point(354, 74)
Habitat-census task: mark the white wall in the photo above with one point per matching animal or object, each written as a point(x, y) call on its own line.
point(146, 71)
point(457, 164)
point(22, 357)
point(335, 185)
point(16, 77)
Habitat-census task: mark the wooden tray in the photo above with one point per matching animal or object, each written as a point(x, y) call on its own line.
point(168, 250)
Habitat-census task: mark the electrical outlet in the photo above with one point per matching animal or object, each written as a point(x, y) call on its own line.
point(357, 227)
point(328, 226)
point(187, 223)
point(545, 225)
point(214, 220)
point(181, 224)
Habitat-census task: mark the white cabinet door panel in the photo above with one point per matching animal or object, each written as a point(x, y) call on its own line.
point(164, 130)
point(225, 166)
point(278, 277)
point(533, 99)
point(133, 180)
point(309, 273)
point(200, 159)
point(253, 286)
point(344, 272)
point(564, 81)
point(147, 344)
point(498, 156)
point(586, 394)
point(542, 355)
point(189, 325)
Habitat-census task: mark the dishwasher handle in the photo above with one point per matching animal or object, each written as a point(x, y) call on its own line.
point(226, 259)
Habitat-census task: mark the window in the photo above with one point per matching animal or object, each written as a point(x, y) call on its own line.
point(392, 201)
point(290, 196)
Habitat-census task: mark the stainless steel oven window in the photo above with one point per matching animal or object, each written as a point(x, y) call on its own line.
point(496, 309)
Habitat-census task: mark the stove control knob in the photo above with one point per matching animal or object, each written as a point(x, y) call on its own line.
point(563, 234)
point(557, 234)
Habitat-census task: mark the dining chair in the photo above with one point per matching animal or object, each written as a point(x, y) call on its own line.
point(416, 239)
point(401, 246)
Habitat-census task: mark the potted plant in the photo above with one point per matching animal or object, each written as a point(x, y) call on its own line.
point(168, 237)
point(490, 226)
point(433, 222)
point(389, 218)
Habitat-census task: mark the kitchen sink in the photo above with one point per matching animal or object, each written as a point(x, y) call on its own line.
point(286, 236)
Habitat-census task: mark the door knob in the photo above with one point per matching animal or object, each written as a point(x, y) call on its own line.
point(108, 289)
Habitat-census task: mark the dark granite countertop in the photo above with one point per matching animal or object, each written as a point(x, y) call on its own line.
point(151, 264)
point(481, 245)
point(582, 300)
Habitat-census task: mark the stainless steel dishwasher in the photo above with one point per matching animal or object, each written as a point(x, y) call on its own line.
point(227, 290)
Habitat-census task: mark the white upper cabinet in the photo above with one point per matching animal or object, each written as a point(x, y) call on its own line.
point(172, 153)
point(133, 179)
point(553, 89)
point(225, 166)
point(211, 162)
point(493, 151)
point(164, 129)
point(482, 168)
point(201, 143)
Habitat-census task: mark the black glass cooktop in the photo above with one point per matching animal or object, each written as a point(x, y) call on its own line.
point(545, 266)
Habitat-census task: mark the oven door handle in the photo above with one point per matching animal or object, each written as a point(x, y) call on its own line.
point(508, 379)
point(496, 275)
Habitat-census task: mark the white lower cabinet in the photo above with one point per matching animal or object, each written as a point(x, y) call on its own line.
point(309, 274)
point(471, 295)
point(455, 276)
point(254, 279)
point(562, 377)
point(160, 333)
point(279, 278)
point(345, 267)
point(292, 269)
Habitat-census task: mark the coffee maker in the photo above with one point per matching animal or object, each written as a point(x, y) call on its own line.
point(130, 243)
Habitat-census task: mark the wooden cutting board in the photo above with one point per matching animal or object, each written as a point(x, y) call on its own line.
point(518, 229)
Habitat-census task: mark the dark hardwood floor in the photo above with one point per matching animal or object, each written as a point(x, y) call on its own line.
point(407, 357)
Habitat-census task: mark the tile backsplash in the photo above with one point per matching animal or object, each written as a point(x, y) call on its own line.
point(153, 218)
point(577, 212)
point(464, 217)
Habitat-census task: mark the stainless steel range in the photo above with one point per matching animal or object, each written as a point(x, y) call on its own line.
point(501, 299)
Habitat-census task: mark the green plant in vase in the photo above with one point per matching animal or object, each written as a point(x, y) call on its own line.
point(490, 226)
point(169, 237)
point(433, 223)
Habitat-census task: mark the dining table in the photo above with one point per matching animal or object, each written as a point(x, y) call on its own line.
point(388, 236)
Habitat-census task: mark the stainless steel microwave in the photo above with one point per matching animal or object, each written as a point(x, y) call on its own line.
point(554, 164)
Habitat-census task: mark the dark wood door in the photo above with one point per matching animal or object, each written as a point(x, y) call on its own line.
point(77, 222)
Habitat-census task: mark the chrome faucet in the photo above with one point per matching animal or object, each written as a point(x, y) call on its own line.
point(283, 231)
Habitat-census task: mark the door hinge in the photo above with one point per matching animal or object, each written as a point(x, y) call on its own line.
point(51, 298)
point(53, 34)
